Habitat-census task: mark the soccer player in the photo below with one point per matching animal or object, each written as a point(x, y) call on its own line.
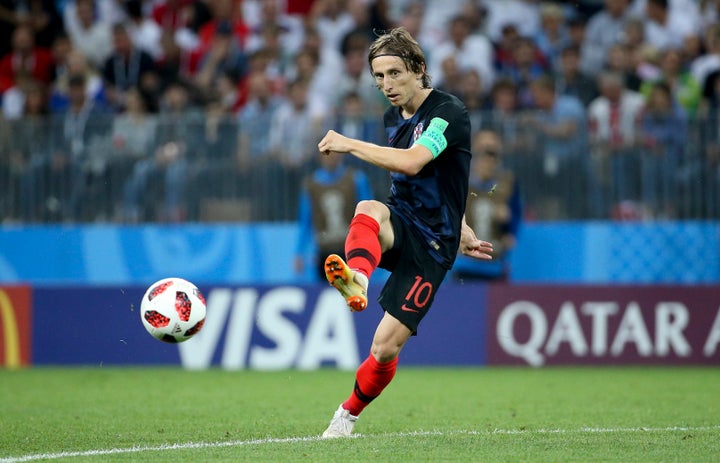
point(417, 232)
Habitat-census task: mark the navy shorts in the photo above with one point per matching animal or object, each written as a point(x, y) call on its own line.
point(414, 279)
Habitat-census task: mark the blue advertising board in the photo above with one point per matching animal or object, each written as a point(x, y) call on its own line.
point(254, 254)
point(258, 327)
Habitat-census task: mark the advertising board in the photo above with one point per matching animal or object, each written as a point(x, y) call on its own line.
point(603, 325)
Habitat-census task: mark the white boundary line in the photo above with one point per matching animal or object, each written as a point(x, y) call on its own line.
point(290, 440)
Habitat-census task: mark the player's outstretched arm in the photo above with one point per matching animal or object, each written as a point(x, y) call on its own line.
point(471, 246)
point(404, 161)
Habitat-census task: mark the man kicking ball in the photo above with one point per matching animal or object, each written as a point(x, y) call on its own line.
point(417, 233)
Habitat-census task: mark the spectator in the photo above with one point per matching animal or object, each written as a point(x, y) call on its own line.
point(255, 118)
point(10, 17)
point(523, 14)
point(294, 128)
point(60, 49)
point(165, 172)
point(504, 48)
point(225, 56)
point(710, 61)
point(327, 61)
point(214, 161)
point(224, 13)
point(27, 149)
point(553, 37)
point(25, 58)
point(570, 80)
point(306, 67)
point(106, 11)
point(561, 123)
point(9, 200)
point(620, 60)
point(133, 137)
point(576, 27)
point(89, 33)
point(40, 15)
point(493, 208)
point(411, 17)
point(76, 64)
point(294, 132)
point(127, 67)
point(254, 162)
point(353, 117)
point(331, 21)
point(269, 13)
point(685, 89)
point(527, 65)
point(76, 172)
point(470, 90)
point(279, 58)
point(502, 117)
point(433, 27)
point(683, 15)
point(614, 117)
point(450, 76)
point(175, 64)
point(172, 15)
point(634, 34)
point(326, 206)
point(144, 32)
point(471, 51)
point(663, 135)
point(665, 30)
point(709, 164)
point(604, 29)
point(355, 76)
point(709, 11)
point(13, 100)
point(691, 49)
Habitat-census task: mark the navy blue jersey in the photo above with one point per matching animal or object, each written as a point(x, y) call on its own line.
point(433, 201)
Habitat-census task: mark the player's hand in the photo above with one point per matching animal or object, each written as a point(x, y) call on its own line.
point(333, 143)
point(476, 248)
point(473, 247)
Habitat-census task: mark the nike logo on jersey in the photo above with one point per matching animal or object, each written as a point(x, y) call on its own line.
point(408, 309)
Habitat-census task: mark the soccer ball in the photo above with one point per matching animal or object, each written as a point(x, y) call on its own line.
point(173, 310)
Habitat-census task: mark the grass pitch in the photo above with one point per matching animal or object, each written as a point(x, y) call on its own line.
point(438, 414)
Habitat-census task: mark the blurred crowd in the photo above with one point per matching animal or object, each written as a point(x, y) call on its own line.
point(178, 110)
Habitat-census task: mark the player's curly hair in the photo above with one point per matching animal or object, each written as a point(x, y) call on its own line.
point(398, 42)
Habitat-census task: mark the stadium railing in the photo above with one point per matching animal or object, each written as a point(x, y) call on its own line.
point(105, 169)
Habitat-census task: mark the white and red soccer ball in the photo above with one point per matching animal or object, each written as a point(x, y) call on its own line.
point(173, 310)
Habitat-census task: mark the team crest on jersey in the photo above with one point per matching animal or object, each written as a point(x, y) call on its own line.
point(417, 131)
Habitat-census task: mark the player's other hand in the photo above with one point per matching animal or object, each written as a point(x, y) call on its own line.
point(333, 143)
point(477, 248)
point(473, 247)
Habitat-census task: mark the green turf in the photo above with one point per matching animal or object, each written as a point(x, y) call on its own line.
point(491, 414)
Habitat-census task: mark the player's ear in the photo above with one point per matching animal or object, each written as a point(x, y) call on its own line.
point(419, 75)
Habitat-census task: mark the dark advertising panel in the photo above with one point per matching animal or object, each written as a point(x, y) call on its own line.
point(603, 325)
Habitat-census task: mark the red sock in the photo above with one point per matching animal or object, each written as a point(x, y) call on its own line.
point(370, 380)
point(362, 245)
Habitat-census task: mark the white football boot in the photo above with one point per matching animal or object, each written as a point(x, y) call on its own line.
point(341, 425)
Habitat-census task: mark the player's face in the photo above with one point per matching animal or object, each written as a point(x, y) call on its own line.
point(399, 85)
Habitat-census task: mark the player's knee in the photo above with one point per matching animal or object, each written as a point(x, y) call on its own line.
point(385, 352)
point(369, 207)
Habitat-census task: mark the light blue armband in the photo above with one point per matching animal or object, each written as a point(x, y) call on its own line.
point(432, 138)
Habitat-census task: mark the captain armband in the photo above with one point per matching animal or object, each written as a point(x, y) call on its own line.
point(433, 137)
